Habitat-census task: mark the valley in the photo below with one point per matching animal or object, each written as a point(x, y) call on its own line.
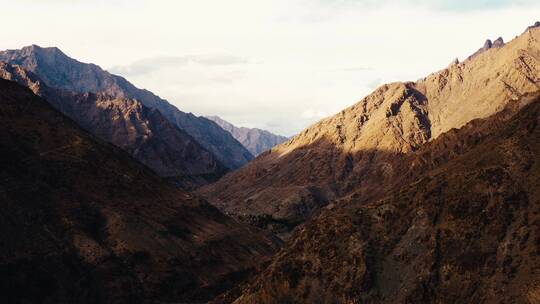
point(423, 191)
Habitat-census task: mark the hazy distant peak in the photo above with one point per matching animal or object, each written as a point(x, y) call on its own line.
point(254, 139)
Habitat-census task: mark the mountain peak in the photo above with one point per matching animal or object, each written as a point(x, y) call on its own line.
point(353, 148)
point(59, 71)
point(498, 43)
point(36, 49)
point(255, 140)
point(535, 25)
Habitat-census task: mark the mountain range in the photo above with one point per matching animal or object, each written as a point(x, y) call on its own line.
point(255, 140)
point(422, 192)
point(56, 70)
point(127, 123)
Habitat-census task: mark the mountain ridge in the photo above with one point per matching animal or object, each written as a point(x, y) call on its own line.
point(57, 70)
point(127, 123)
point(255, 140)
point(285, 185)
point(457, 231)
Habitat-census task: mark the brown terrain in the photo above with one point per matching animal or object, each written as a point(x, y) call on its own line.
point(255, 140)
point(83, 222)
point(467, 230)
point(355, 149)
point(58, 71)
point(130, 125)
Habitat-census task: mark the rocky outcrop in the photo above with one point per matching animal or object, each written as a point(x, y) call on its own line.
point(461, 226)
point(255, 140)
point(487, 46)
point(58, 71)
point(127, 123)
point(354, 150)
point(82, 222)
point(535, 25)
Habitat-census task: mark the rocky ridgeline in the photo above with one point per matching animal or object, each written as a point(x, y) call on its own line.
point(58, 71)
point(354, 150)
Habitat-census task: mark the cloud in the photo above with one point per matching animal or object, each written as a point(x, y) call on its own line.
point(374, 83)
point(471, 5)
point(358, 69)
point(443, 5)
point(314, 114)
point(149, 65)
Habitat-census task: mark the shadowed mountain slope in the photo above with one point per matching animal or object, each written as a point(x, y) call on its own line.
point(83, 222)
point(255, 140)
point(58, 71)
point(461, 226)
point(354, 149)
point(128, 124)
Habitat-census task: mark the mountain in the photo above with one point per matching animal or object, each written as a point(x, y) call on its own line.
point(255, 140)
point(355, 149)
point(58, 71)
point(463, 226)
point(130, 125)
point(83, 222)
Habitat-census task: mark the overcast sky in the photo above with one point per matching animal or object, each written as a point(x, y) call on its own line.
point(274, 64)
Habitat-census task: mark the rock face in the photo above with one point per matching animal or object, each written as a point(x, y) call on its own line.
point(127, 123)
point(58, 71)
point(487, 46)
point(354, 150)
point(255, 140)
point(82, 222)
point(535, 25)
point(461, 226)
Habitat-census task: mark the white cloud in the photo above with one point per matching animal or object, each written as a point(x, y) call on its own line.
point(314, 114)
point(374, 83)
point(149, 65)
point(265, 63)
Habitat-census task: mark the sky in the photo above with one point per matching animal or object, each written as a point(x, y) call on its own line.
point(279, 65)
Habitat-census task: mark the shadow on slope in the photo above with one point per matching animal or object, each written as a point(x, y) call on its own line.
point(461, 225)
point(83, 222)
point(127, 123)
point(291, 187)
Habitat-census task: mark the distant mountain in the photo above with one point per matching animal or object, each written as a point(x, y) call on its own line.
point(59, 71)
point(130, 125)
point(255, 140)
point(83, 222)
point(355, 149)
